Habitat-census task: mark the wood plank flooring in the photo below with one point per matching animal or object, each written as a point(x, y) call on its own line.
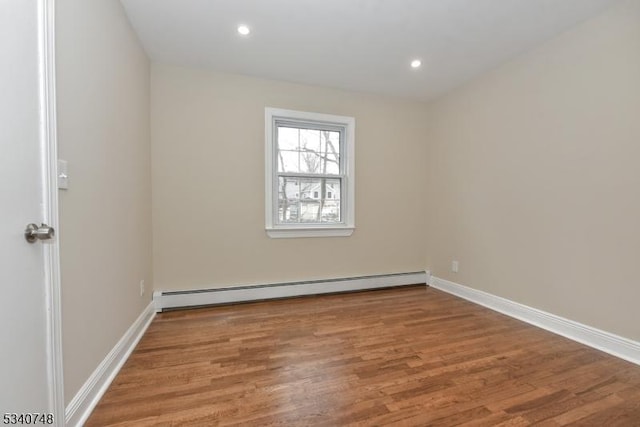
point(405, 356)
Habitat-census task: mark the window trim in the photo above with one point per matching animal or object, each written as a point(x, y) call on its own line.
point(347, 226)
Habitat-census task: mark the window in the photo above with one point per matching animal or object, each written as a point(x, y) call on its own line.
point(309, 174)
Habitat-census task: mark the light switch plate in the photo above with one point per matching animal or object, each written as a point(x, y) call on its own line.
point(63, 175)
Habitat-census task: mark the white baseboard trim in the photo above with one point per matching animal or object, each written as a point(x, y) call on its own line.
point(194, 298)
point(605, 341)
point(83, 403)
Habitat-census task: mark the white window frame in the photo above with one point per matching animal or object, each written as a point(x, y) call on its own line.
point(347, 152)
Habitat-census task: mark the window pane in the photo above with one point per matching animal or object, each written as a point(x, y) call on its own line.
point(330, 209)
point(310, 162)
point(330, 142)
point(310, 140)
point(288, 200)
point(330, 152)
point(287, 138)
point(332, 163)
point(306, 200)
point(288, 161)
point(310, 151)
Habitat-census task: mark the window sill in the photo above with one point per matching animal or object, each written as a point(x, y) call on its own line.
point(292, 233)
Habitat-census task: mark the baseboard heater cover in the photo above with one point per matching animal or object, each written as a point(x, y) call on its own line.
point(202, 297)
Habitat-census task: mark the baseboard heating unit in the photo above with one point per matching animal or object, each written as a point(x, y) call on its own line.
point(164, 300)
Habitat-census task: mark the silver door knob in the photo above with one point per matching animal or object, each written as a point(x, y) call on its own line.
point(33, 232)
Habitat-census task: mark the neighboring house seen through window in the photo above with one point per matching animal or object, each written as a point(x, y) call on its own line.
point(309, 174)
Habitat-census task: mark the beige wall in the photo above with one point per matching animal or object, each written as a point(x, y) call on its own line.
point(103, 112)
point(208, 183)
point(534, 182)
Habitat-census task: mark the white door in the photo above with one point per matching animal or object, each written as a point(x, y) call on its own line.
point(26, 377)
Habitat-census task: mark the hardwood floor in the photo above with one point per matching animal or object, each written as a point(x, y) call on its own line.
point(405, 356)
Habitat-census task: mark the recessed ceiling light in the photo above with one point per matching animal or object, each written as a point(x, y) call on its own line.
point(243, 30)
point(416, 63)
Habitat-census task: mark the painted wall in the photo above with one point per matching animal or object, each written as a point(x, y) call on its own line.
point(105, 232)
point(208, 183)
point(534, 178)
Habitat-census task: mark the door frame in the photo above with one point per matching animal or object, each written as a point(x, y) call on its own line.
point(49, 173)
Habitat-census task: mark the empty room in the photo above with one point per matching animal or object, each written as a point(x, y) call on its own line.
point(299, 212)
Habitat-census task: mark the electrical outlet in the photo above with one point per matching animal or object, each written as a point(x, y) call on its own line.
point(141, 287)
point(454, 266)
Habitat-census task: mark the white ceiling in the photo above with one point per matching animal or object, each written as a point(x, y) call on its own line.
point(363, 45)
